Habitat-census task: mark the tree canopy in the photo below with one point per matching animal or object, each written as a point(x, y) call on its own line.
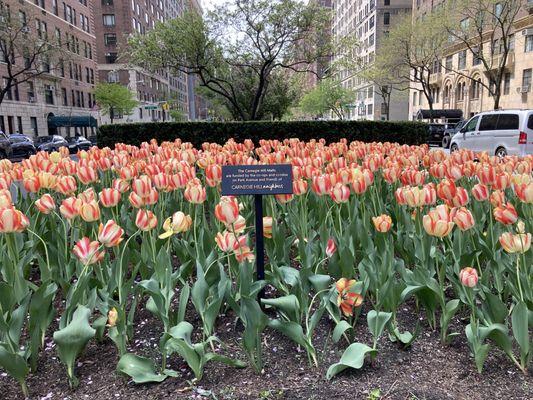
point(114, 99)
point(240, 50)
point(328, 95)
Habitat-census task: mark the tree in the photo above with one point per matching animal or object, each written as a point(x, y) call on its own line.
point(328, 95)
point(25, 50)
point(386, 82)
point(237, 50)
point(114, 99)
point(484, 28)
point(414, 49)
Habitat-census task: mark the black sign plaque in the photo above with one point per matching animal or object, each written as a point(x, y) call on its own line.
point(256, 179)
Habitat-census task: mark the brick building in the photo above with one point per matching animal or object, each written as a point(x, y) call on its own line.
point(60, 99)
point(115, 20)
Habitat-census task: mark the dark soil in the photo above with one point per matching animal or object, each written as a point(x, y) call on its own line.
point(428, 370)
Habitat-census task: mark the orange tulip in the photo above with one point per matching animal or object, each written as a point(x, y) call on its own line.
point(135, 200)
point(519, 243)
point(12, 220)
point(468, 277)
point(145, 220)
point(32, 184)
point(438, 221)
point(267, 227)
point(524, 192)
point(195, 193)
point(213, 175)
point(299, 187)
point(460, 199)
point(152, 197)
point(382, 223)
point(227, 241)
point(178, 223)
point(346, 299)
point(321, 184)
point(66, 185)
point(446, 189)
point(480, 192)
point(238, 226)
point(331, 247)
point(90, 212)
point(109, 197)
point(87, 175)
point(414, 196)
point(110, 234)
point(284, 198)
point(463, 218)
point(142, 186)
point(88, 252)
point(497, 198)
point(506, 214)
point(227, 210)
point(121, 185)
point(243, 253)
point(45, 204)
point(70, 207)
point(5, 198)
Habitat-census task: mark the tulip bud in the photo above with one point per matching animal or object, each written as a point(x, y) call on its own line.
point(382, 223)
point(331, 247)
point(112, 317)
point(267, 227)
point(468, 277)
point(45, 204)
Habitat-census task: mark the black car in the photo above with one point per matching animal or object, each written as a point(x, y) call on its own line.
point(436, 133)
point(78, 143)
point(93, 140)
point(5, 146)
point(450, 131)
point(22, 146)
point(50, 143)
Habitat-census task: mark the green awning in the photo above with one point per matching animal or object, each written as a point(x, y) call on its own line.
point(72, 121)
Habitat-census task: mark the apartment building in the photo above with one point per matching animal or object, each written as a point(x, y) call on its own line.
point(59, 99)
point(115, 20)
point(370, 22)
point(456, 79)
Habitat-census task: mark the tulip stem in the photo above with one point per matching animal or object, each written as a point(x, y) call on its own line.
point(120, 271)
point(518, 278)
point(49, 272)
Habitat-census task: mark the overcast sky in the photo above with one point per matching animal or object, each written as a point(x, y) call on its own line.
point(208, 4)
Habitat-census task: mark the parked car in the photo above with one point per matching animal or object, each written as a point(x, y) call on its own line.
point(451, 130)
point(50, 143)
point(78, 143)
point(93, 140)
point(22, 146)
point(501, 132)
point(435, 133)
point(6, 149)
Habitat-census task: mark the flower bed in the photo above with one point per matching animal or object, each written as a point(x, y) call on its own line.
point(144, 229)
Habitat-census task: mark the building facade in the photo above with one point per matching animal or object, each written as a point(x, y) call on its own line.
point(60, 99)
point(156, 91)
point(455, 80)
point(369, 21)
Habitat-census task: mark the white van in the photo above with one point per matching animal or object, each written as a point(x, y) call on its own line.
point(500, 132)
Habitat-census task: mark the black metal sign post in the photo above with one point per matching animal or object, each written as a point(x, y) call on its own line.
point(258, 180)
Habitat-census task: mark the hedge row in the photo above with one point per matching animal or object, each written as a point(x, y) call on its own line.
point(411, 133)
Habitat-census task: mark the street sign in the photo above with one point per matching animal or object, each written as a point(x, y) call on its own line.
point(258, 180)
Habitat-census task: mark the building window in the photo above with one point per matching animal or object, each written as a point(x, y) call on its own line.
point(528, 46)
point(19, 123)
point(475, 89)
point(54, 7)
point(109, 19)
point(507, 83)
point(449, 63)
point(107, 2)
point(370, 109)
point(414, 98)
point(64, 96)
point(34, 128)
point(49, 94)
point(111, 58)
point(113, 77)
point(476, 60)
point(386, 18)
point(8, 94)
point(386, 3)
point(110, 39)
point(31, 92)
point(526, 78)
point(462, 59)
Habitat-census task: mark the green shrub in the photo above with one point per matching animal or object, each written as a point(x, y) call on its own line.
point(412, 133)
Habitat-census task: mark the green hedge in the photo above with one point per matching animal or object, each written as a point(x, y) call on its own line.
point(219, 132)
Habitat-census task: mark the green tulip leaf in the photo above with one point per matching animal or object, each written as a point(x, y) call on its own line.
point(353, 357)
point(377, 321)
point(72, 339)
point(140, 369)
point(13, 363)
point(519, 322)
point(289, 305)
point(340, 329)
